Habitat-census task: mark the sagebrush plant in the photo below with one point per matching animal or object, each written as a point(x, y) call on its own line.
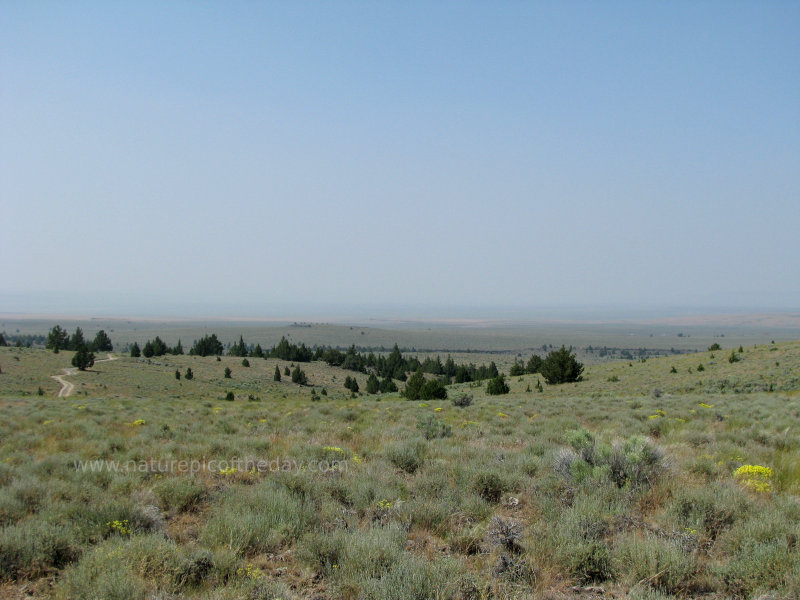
point(635, 461)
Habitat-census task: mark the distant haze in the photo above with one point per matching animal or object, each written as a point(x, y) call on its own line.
point(399, 159)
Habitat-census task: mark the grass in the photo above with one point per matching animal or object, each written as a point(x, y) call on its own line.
point(601, 482)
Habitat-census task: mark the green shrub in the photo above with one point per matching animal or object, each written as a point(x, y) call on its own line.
point(31, 548)
point(463, 401)
point(407, 456)
point(489, 485)
point(179, 493)
point(433, 428)
point(416, 578)
point(657, 562)
point(589, 561)
point(124, 569)
point(635, 461)
point(352, 557)
point(763, 551)
point(261, 518)
point(711, 509)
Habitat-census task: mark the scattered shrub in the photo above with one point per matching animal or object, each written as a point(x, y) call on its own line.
point(489, 485)
point(407, 456)
point(261, 518)
point(432, 428)
point(463, 400)
point(635, 461)
point(654, 561)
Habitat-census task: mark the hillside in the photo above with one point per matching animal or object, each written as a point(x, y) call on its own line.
point(603, 488)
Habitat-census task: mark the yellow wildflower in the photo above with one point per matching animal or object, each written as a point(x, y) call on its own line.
point(755, 477)
point(122, 527)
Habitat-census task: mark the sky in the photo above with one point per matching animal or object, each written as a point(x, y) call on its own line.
point(252, 156)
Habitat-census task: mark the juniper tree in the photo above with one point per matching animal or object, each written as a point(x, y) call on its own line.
point(298, 376)
point(83, 359)
point(497, 386)
point(102, 343)
point(561, 366)
point(76, 342)
point(57, 339)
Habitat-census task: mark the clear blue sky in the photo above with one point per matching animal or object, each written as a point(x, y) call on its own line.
point(407, 153)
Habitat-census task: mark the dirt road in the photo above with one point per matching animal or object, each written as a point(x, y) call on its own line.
point(66, 387)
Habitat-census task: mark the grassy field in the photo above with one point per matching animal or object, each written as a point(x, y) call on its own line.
point(633, 483)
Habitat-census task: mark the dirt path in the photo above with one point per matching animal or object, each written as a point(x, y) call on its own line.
point(66, 387)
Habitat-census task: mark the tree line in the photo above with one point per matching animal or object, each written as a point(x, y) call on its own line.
point(59, 339)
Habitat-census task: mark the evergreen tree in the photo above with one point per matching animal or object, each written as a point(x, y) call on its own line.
point(208, 345)
point(177, 374)
point(83, 359)
point(373, 385)
point(413, 388)
point(257, 352)
point(497, 386)
point(227, 372)
point(433, 389)
point(2, 340)
point(102, 343)
point(57, 339)
point(76, 342)
point(189, 375)
point(245, 362)
point(177, 350)
point(350, 383)
point(561, 366)
point(534, 364)
point(159, 347)
point(238, 349)
point(277, 375)
point(135, 351)
point(155, 347)
point(388, 386)
point(298, 376)
point(286, 371)
point(517, 369)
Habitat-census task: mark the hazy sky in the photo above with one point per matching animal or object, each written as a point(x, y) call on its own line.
point(471, 154)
